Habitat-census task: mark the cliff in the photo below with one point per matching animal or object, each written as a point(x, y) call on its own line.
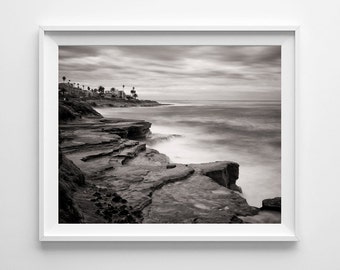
point(70, 178)
point(71, 110)
point(122, 103)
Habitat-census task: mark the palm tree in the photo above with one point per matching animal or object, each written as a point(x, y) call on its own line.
point(83, 87)
point(88, 88)
point(64, 79)
point(78, 85)
point(123, 87)
point(101, 89)
point(133, 91)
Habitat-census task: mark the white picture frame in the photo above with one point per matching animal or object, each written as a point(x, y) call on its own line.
point(53, 36)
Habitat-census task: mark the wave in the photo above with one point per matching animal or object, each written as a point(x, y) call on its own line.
point(155, 138)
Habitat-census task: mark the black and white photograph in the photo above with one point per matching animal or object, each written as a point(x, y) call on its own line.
point(167, 134)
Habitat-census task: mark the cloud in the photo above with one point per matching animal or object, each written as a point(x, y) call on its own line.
point(178, 72)
point(77, 51)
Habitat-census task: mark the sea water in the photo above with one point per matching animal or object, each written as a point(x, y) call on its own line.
point(246, 132)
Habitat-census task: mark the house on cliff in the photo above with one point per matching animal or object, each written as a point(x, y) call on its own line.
point(114, 93)
point(121, 94)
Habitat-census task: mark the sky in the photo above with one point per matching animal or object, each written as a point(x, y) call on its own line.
point(177, 72)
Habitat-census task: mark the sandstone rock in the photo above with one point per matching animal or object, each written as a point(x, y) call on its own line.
point(272, 204)
point(235, 188)
point(69, 178)
point(139, 130)
point(66, 113)
point(171, 166)
point(197, 199)
point(69, 172)
point(264, 216)
point(116, 198)
point(99, 205)
point(70, 110)
point(117, 131)
point(224, 173)
point(235, 219)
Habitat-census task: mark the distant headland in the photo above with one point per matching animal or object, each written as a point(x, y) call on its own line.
point(100, 97)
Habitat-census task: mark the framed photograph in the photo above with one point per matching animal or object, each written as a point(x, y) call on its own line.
point(167, 133)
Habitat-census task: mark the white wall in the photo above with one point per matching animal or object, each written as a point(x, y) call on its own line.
point(318, 141)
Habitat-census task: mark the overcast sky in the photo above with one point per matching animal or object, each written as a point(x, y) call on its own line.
point(178, 72)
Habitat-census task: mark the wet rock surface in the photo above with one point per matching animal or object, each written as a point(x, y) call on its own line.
point(198, 199)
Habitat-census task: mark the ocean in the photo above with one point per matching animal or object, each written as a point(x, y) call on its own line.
point(247, 132)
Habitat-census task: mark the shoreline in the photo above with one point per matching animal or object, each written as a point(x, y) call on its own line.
point(127, 182)
point(123, 103)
